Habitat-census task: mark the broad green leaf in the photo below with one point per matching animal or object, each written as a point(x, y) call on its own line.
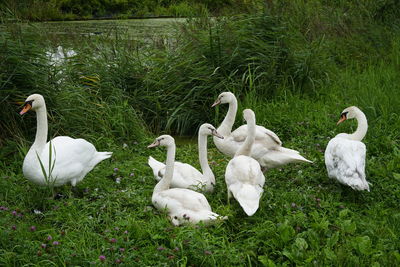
point(286, 232)
point(397, 255)
point(333, 240)
point(266, 261)
point(343, 213)
point(301, 243)
point(362, 244)
point(329, 254)
point(288, 255)
point(349, 226)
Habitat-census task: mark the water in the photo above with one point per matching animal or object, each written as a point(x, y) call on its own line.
point(134, 29)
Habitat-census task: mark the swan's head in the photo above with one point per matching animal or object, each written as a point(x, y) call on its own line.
point(348, 113)
point(248, 115)
point(208, 129)
point(163, 140)
point(33, 102)
point(223, 98)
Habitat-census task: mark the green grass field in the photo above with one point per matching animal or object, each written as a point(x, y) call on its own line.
point(304, 218)
point(297, 68)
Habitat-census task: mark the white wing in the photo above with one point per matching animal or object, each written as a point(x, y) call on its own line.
point(244, 178)
point(71, 159)
point(267, 148)
point(276, 158)
point(345, 162)
point(263, 136)
point(184, 205)
point(185, 176)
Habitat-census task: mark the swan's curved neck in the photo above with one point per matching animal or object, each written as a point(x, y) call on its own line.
point(205, 168)
point(361, 128)
point(245, 149)
point(41, 128)
point(169, 170)
point(226, 126)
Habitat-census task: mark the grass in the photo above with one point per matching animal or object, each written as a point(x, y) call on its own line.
point(304, 217)
point(297, 70)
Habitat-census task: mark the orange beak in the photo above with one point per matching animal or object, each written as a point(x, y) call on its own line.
point(342, 119)
point(25, 109)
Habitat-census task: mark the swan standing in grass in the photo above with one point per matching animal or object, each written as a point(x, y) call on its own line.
point(183, 205)
point(185, 175)
point(243, 176)
point(345, 153)
point(267, 148)
point(70, 159)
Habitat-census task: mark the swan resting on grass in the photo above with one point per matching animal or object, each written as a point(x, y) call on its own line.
point(185, 175)
point(183, 205)
point(267, 148)
point(345, 153)
point(243, 176)
point(62, 160)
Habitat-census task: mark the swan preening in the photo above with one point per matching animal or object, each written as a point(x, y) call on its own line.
point(185, 175)
point(67, 161)
point(267, 148)
point(183, 205)
point(345, 153)
point(243, 176)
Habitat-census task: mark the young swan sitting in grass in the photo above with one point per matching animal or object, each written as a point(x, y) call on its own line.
point(243, 176)
point(68, 160)
point(345, 154)
point(267, 148)
point(185, 175)
point(183, 205)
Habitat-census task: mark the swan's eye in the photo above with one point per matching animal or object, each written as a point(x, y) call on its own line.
point(344, 114)
point(28, 102)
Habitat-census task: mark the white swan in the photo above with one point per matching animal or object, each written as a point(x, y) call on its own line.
point(185, 175)
point(71, 159)
point(345, 153)
point(243, 176)
point(267, 148)
point(183, 205)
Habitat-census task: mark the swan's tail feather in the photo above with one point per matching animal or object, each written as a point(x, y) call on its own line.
point(283, 156)
point(214, 217)
point(100, 156)
point(156, 166)
point(360, 187)
point(294, 154)
point(248, 197)
point(103, 155)
point(289, 150)
point(356, 184)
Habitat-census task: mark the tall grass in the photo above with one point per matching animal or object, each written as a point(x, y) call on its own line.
point(118, 83)
point(297, 68)
point(81, 101)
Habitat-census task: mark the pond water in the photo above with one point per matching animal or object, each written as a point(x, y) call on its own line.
point(136, 29)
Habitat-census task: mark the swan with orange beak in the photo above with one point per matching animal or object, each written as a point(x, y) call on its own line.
point(345, 153)
point(60, 161)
